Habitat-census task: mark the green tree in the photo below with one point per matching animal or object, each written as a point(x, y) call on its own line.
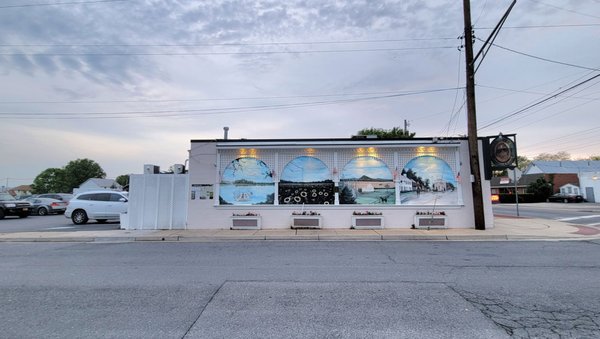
point(123, 180)
point(381, 133)
point(541, 189)
point(80, 170)
point(51, 180)
point(595, 157)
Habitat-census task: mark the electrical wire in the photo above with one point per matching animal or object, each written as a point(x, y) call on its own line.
point(205, 111)
point(61, 3)
point(543, 59)
point(528, 107)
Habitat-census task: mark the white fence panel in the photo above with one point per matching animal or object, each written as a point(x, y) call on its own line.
point(158, 201)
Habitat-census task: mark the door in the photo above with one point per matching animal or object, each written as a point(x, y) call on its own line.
point(116, 205)
point(589, 194)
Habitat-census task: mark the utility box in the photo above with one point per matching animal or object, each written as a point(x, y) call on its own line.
point(151, 169)
point(178, 169)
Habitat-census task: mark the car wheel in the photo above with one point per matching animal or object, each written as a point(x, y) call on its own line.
point(42, 211)
point(1, 214)
point(101, 221)
point(79, 217)
point(565, 200)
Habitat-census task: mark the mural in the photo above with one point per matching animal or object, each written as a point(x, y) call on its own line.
point(247, 181)
point(306, 180)
point(428, 180)
point(367, 180)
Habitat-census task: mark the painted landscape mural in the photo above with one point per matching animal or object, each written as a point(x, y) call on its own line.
point(247, 181)
point(306, 180)
point(432, 180)
point(367, 180)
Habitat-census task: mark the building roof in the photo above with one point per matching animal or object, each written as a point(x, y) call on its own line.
point(563, 167)
point(523, 181)
point(105, 183)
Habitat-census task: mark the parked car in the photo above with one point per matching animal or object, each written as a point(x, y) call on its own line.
point(559, 197)
point(58, 196)
point(96, 205)
point(11, 206)
point(45, 206)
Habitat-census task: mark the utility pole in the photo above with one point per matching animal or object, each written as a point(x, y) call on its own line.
point(472, 121)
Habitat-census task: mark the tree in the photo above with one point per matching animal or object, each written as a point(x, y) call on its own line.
point(523, 162)
point(394, 133)
point(51, 180)
point(553, 157)
point(80, 170)
point(595, 157)
point(123, 180)
point(541, 189)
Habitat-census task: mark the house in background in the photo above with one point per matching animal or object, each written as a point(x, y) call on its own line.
point(95, 184)
point(20, 191)
point(571, 174)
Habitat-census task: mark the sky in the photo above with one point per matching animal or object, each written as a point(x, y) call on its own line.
point(131, 82)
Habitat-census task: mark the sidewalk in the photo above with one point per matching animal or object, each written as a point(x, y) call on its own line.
point(506, 228)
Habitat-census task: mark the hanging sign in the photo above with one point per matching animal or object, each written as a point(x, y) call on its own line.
point(503, 153)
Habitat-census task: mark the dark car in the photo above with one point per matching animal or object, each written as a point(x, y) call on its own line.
point(58, 196)
point(45, 206)
point(11, 206)
point(559, 197)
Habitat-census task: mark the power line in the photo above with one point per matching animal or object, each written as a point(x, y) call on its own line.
point(227, 98)
point(538, 102)
point(543, 26)
point(543, 59)
point(186, 112)
point(232, 53)
point(566, 9)
point(61, 3)
point(232, 44)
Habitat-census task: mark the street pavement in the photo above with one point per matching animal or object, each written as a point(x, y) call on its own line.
point(504, 228)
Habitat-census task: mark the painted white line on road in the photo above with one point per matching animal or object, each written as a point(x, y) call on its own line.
point(60, 228)
point(577, 218)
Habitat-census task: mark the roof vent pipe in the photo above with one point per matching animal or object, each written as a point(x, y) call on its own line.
point(225, 132)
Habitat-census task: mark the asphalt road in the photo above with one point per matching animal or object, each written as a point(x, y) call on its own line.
point(277, 289)
point(50, 223)
point(575, 213)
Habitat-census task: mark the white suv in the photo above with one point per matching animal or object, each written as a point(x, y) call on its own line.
point(98, 205)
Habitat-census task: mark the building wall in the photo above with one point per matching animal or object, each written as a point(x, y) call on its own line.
point(561, 179)
point(209, 161)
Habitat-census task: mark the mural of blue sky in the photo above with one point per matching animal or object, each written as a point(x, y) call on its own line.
point(366, 166)
point(248, 169)
point(305, 169)
point(432, 168)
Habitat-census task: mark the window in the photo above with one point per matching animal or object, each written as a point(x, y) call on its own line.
point(367, 180)
point(116, 197)
point(247, 181)
point(306, 180)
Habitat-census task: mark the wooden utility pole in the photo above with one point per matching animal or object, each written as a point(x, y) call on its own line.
point(472, 122)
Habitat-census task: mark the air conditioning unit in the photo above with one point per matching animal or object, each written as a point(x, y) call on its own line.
point(151, 169)
point(178, 169)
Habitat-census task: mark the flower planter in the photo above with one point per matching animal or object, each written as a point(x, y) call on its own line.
point(430, 222)
point(367, 222)
point(306, 221)
point(245, 222)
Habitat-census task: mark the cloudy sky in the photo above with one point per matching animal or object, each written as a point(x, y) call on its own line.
point(130, 82)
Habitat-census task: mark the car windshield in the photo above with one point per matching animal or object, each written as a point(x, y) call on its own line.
point(6, 197)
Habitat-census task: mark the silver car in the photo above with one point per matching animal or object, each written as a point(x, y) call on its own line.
point(96, 205)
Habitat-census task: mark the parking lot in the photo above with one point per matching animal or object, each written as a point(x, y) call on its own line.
point(50, 223)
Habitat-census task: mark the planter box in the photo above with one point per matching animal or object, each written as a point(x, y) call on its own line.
point(367, 222)
point(430, 221)
point(245, 222)
point(306, 221)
